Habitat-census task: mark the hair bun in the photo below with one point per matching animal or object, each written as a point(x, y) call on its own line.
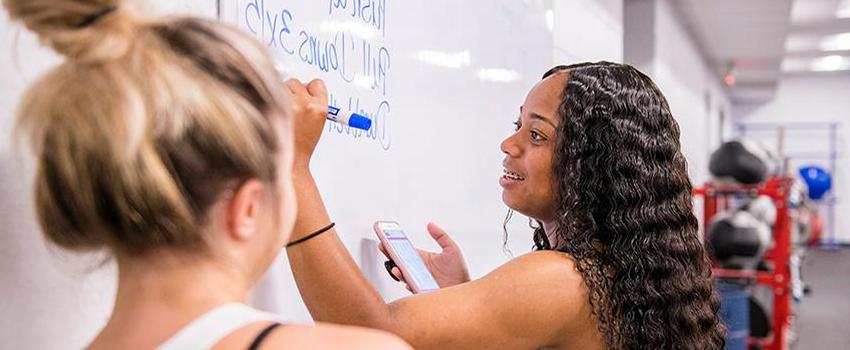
point(82, 30)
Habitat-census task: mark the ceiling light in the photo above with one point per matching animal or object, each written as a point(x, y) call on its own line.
point(838, 42)
point(843, 9)
point(830, 63)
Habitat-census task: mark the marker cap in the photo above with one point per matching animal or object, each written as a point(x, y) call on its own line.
point(359, 121)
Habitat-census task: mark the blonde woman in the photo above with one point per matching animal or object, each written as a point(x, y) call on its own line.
point(168, 142)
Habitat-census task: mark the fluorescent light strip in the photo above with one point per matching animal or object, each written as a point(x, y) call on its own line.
point(830, 64)
point(838, 42)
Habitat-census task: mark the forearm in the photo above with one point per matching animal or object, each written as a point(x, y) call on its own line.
point(331, 284)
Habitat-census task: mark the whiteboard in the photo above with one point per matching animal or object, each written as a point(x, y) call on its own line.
point(443, 81)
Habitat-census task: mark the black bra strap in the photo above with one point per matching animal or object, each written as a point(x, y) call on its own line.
point(260, 337)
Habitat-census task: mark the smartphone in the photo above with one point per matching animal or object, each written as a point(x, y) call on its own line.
point(404, 255)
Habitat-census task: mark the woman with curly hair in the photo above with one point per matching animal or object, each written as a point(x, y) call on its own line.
point(596, 161)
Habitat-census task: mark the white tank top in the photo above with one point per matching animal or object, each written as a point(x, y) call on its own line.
point(208, 329)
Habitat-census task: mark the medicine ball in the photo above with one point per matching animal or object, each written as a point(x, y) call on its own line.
point(762, 208)
point(733, 160)
point(817, 180)
point(737, 240)
point(766, 154)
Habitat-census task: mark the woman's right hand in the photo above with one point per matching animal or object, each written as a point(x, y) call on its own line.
point(448, 266)
point(309, 108)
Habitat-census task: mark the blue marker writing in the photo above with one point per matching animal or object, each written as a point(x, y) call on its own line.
point(353, 120)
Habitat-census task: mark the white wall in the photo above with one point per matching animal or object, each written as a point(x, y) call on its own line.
point(49, 299)
point(588, 30)
point(693, 91)
point(820, 99)
point(43, 291)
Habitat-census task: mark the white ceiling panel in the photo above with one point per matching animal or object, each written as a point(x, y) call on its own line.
point(764, 39)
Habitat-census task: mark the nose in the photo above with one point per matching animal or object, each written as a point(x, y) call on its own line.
point(510, 147)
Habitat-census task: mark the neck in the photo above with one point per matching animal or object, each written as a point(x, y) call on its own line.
point(161, 293)
point(551, 227)
point(173, 285)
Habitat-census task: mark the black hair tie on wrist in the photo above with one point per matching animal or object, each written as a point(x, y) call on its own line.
point(90, 19)
point(314, 234)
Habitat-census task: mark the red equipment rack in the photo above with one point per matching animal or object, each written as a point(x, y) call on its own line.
point(716, 199)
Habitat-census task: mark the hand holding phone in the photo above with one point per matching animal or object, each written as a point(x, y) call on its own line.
point(402, 252)
point(447, 265)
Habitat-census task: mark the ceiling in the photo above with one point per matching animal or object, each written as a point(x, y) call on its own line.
point(759, 41)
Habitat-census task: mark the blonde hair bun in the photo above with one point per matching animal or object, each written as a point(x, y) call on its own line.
point(140, 132)
point(82, 30)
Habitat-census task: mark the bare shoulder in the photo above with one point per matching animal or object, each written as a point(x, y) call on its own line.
point(329, 336)
point(547, 278)
point(548, 265)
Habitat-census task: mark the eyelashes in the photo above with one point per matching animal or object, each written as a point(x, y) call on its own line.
point(535, 135)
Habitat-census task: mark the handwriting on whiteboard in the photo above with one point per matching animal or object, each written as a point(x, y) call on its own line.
point(347, 42)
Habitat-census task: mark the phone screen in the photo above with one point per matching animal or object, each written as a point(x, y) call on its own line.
point(410, 258)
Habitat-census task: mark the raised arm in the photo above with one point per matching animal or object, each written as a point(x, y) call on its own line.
point(329, 281)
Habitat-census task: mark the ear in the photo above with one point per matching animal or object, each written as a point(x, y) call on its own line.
point(244, 213)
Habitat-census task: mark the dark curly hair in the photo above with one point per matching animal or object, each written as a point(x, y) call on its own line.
point(625, 212)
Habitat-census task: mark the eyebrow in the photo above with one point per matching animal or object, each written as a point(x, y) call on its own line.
point(544, 119)
point(540, 117)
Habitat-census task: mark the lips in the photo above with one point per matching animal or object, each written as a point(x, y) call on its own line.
point(510, 178)
point(510, 175)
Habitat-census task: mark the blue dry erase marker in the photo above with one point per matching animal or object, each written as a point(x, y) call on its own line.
point(353, 120)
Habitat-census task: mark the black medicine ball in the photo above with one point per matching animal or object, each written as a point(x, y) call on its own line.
point(734, 160)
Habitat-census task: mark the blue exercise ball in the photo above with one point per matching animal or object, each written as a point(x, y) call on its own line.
point(817, 179)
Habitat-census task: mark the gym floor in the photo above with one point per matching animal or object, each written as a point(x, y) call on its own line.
point(823, 317)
